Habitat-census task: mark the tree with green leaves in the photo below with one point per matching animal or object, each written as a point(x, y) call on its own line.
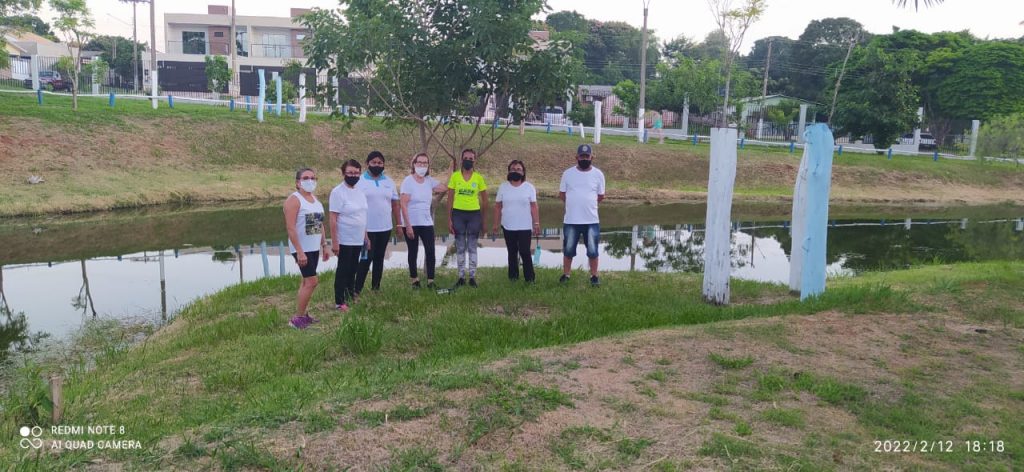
point(879, 99)
point(121, 63)
point(28, 22)
point(438, 66)
point(218, 74)
point(782, 115)
point(734, 23)
point(75, 22)
point(10, 8)
point(628, 93)
point(610, 50)
point(1002, 136)
point(823, 44)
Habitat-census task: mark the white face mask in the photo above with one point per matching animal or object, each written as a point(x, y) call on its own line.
point(421, 171)
point(308, 185)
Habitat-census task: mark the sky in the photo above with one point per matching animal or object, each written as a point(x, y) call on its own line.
point(668, 18)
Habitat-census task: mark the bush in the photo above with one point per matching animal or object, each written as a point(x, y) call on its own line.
point(1002, 136)
point(583, 113)
point(360, 336)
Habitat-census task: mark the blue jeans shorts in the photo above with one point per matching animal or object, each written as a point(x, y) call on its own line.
point(571, 238)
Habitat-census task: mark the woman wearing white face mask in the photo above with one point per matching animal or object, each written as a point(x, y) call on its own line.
point(417, 192)
point(304, 221)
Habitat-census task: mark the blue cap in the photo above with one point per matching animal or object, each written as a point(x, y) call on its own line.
point(584, 150)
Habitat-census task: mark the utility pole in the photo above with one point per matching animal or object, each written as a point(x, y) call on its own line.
point(764, 90)
point(839, 80)
point(152, 48)
point(135, 47)
point(233, 88)
point(643, 78)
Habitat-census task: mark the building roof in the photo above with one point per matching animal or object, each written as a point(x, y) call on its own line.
point(28, 43)
point(596, 90)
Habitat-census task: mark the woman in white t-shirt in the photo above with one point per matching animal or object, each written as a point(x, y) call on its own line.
point(348, 222)
point(304, 222)
point(516, 208)
point(417, 196)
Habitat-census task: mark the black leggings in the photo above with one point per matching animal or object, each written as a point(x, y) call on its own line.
point(518, 245)
point(378, 246)
point(345, 279)
point(425, 234)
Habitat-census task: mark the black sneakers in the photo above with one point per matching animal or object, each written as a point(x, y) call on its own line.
point(594, 281)
point(472, 282)
point(563, 279)
point(460, 282)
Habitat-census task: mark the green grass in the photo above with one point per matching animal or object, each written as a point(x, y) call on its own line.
point(131, 156)
point(229, 364)
point(727, 362)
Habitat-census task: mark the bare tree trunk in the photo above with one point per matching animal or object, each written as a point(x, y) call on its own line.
point(725, 106)
point(423, 137)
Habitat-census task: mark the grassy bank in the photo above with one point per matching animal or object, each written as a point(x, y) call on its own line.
point(128, 156)
point(520, 378)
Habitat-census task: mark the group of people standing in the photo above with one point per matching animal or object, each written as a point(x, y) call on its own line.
point(368, 205)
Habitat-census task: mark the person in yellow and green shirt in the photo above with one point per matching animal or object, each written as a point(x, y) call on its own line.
point(467, 207)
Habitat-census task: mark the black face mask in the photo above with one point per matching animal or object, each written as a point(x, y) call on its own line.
point(351, 181)
point(467, 165)
point(376, 170)
point(515, 176)
point(584, 163)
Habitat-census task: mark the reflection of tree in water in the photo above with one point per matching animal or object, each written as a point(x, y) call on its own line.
point(892, 246)
point(14, 335)
point(669, 250)
point(83, 301)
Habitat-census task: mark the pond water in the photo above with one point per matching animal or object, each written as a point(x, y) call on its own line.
point(57, 273)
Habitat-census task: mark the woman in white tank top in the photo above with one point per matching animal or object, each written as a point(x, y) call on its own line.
point(304, 220)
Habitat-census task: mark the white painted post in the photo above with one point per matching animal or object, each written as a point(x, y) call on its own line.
point(907, 223)
point(154, 85)
point(337, 93)
point(597, 122)
point(818, 184)
point(975, 127)
point(963, 223)
point(583, 133)
point(95, 84)
point(1020, 224)
point(717, 235)
point(640, 125)
point(803, 123)
point(568, 108)
point(262, 102)
point(686, 117)
point(760, 127)
point(917, 129)
point(277, 88)
point(798, 226)
point(34, 64)
point(302, 98)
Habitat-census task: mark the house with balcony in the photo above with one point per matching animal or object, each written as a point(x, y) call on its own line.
point(260, 42)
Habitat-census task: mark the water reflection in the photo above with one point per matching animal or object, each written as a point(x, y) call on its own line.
point(134, 279)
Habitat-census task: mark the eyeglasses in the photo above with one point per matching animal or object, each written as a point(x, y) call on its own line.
point(308, 178)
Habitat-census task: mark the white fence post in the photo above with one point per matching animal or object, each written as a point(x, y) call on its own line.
point(760, 127)
point(917, 129)
point(277, 88)
point(337, 93)
point(686, 117)
point(641, 123)
point(34, 64)
point(262, 103)
point(154, 85)
point(95, 84)
point(597, 122)
point(803, 124)
point(718, 230)
point(302, 98)
point(975, 127)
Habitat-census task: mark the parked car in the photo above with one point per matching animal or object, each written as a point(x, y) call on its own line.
point(554, 115)
point(927, 142)
point(50, 80)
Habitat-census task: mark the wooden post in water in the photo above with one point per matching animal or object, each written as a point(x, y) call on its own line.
point(717, 235)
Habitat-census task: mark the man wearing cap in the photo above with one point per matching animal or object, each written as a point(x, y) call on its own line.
point(582, 188)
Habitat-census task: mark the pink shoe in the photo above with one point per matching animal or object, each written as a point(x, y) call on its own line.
point(343, 308)
point(298, 322)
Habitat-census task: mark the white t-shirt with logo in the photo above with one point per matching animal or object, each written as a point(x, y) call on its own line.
point(350, 205)
point(379, 195)
point(515, 205)
point(581, 191)
point(420, 197)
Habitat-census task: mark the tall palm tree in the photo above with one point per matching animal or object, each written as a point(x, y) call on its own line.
point(917, 3)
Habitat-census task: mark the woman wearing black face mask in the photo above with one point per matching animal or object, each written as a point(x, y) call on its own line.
point(515, 208)
point(467, 206)
point(382, 200)
point(348, 228)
